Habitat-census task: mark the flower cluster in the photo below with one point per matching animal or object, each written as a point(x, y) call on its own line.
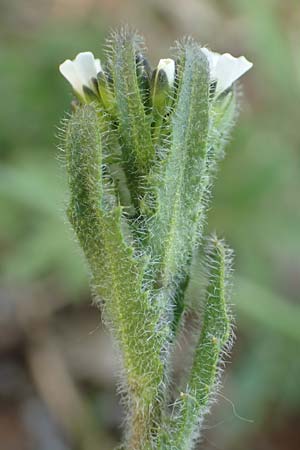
point(85, 72)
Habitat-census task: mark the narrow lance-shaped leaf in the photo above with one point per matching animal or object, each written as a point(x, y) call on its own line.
point(116, 274)
point(134, 125)
point(175, 225)
point(223, 113)
point(223, 117)
point(214, 339)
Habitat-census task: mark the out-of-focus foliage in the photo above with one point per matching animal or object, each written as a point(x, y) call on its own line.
point(256, 201)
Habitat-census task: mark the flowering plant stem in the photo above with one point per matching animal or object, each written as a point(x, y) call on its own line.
point(141, 151)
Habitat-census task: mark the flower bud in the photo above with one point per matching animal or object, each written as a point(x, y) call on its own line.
point(162, 85)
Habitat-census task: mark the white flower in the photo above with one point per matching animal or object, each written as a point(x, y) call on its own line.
point(168, 66)
point(225, 69)
point(81, 72)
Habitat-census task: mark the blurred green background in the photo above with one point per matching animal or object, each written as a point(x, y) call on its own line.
point(57, 369)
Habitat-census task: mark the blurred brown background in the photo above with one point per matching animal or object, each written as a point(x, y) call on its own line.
point(57, 369)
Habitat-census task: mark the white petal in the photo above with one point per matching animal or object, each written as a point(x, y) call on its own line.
point(230, 69)
point(226, 69)
point(168, 66)
point(212, 58)
point(68, 70)
point(86, 68)
point(98, 65)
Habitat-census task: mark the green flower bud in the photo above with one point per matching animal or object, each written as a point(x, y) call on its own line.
point(163, 79)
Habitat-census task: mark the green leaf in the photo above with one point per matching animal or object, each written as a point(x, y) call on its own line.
point(181, 182)
point(214, 339)
point(134, 125)
point(116, 274)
